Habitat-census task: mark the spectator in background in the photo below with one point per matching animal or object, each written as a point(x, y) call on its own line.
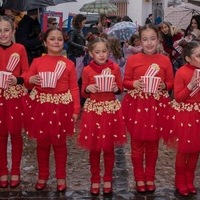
point(194, 24)
point(149, 20)
point(28, 32)
point(132, 46)
point(52, 22)
point(102, 23)
point(127, 19)
point(169, 34)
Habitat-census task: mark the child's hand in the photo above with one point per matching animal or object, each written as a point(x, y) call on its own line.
point(35, 80)
point(93, 88)
point(161, 86)
point(115, 87)
point(138, 84)
point(12, 80)
point(75, 117)
point(194, 81)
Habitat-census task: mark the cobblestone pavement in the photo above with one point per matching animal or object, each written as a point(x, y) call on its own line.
point(78, 177)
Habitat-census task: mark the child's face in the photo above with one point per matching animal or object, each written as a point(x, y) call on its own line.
point(6, 33)
point(99, 53)
point(137, 42)
point(54, 42)
point(149, 41)
point(194, 59)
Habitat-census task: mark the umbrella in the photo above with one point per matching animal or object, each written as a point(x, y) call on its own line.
point(122, 30)
point(181, 15)
point(99, 6)
point(24, 5)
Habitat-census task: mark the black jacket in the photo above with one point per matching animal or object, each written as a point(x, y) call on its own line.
point(76, 43)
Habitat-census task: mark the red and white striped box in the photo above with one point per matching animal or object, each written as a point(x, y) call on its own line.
point(60, 67)
point(151, 84)
point(198, 76)
point(152, 70)
point(3, 79)
point(49, 79)
point(12, 62)
point(104, 82)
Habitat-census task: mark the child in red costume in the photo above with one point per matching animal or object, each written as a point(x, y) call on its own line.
point(144, 111)
point(102, 124)
point(53, 107)
point(14, 62)
point(185, 119)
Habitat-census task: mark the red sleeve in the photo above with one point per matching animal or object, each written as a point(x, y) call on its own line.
point(181, 91)
point(74, 89)
point(128, 76)
point(118, 77)
point(24, 61)
point(85, 82)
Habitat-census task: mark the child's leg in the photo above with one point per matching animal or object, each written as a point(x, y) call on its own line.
point(3, 153)
point(137, 154)
point(60, 153)
point(95, 166)
point(151, 155)
point(109, 159)
point(190, 168)
point(17, 148)
point(180, 171)
point(43, 153)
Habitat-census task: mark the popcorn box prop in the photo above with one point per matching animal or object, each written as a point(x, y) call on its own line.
point(151, 84)
point(3, 78)
point(152, 70)
point(13, 61)
point(198, 76)
point(59, 69)
point(104, 82)
point(49, 79)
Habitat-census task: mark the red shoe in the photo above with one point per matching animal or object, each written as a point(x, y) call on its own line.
point(151, 188)
point(3, 184)
point(107, 190)
point(140, 188)
point(94, 191)
point(14, 183)
point(61, 188)
point(183, 192)
point(40, 186)
point(192, 190)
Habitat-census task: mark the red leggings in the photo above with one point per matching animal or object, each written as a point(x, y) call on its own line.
point(144, 155)
point(16, 153)
point(185, 169)
point(43, 154)
point(109, 158)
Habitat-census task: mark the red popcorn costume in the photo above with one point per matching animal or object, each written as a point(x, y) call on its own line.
point(13, 59)
point(102, 125)
point(145, 113)
point(49, 111)
point(184, 134)
point(185, 125)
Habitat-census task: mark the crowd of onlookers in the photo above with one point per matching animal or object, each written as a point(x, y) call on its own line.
point(43, 93)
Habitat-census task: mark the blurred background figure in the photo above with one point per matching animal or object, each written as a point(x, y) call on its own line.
point(52, 22)
point(149, 19)
point(27, 34)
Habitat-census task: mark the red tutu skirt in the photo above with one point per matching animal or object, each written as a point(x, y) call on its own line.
point(184, 121)
point(48, 117)
point(145, 114)
point(102, 125)
point(11, 109)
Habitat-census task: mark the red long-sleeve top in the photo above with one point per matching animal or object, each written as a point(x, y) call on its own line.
point(6, 52)
point(67, 81)
point(182, 79)
point(88, 78)
point(138, 64)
